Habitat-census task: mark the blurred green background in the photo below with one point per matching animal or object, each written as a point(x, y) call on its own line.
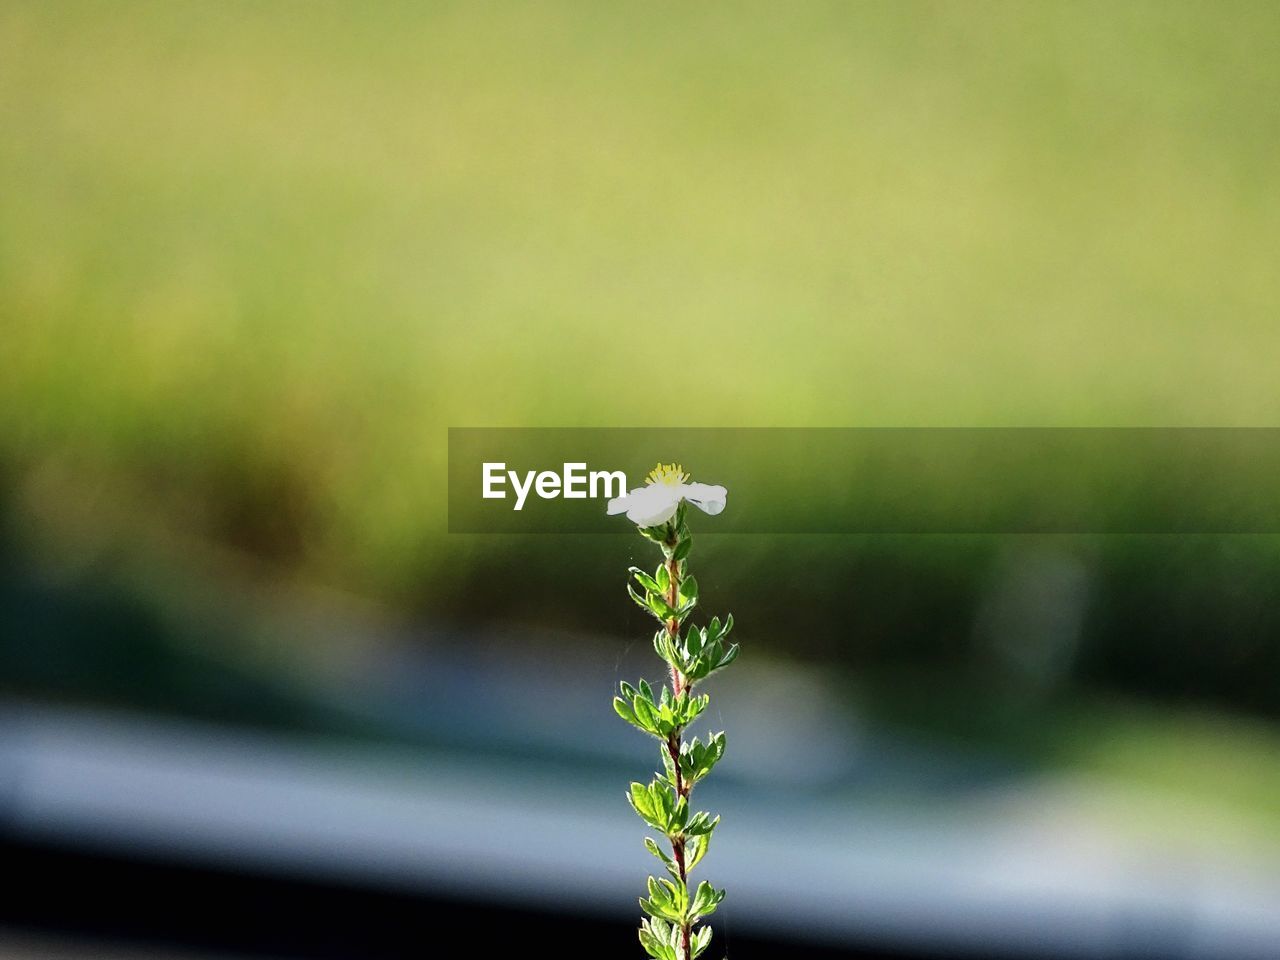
point(256, 258)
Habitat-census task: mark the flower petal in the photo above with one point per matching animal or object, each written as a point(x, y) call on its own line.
point(709, 498)
point(652, 505)
point(622, 503)
point(655, 516)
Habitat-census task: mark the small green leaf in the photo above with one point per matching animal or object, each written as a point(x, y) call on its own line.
point(625, 711)
point(663, 578)
point(671, 893)
point(680, 814)
point(657, 534)
point(705, 900)
point(701, 824)
point(694, 639)
point(699, 942)
point(638, 797)
point(652, 846)
point(730, 655)
point(659, 607)
point(695, 848)
point(644, 579)
point(668, 764)
point(642, 601)
point(667, 900)
point(662, 646)
point(656, 936)
point(645, 714)
point(691, 708)
point(683, 547)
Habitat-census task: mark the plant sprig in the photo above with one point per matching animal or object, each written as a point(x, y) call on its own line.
point(669, 594)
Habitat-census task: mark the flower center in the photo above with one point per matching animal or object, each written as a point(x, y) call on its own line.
point(668, 474)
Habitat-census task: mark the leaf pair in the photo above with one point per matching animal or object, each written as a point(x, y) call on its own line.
point(701, 651)
point(654, 594)
point(661, 940)
point(669, 900)
point(696, 758)
point(657, 716)
point(662, 808)
point(659, 806)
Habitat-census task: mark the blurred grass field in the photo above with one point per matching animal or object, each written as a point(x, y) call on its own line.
point(255, 258)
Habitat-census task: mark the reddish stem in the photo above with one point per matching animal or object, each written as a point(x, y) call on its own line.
point(674, 741)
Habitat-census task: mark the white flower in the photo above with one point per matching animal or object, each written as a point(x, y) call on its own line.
point(657, 501)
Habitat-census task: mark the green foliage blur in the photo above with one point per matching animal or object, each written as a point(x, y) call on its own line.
point(255, 258)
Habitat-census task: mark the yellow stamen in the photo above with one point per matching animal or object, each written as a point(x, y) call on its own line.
point(669, 474)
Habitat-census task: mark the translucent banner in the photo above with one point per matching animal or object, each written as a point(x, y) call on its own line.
point(878, 480)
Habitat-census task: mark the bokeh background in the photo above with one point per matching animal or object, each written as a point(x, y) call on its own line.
point(256, 258)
